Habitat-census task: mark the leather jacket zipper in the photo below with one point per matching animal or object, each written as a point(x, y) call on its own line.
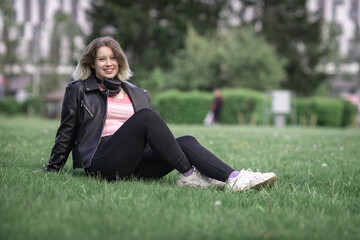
point(86, 108)
point(103, 123)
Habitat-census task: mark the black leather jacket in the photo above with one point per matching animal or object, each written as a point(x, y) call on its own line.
point(82, 121)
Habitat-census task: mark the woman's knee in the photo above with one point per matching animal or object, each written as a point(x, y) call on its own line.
point(147, 113)
point(186, 140)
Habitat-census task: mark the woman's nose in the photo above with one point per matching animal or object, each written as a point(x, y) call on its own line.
point(108, 62)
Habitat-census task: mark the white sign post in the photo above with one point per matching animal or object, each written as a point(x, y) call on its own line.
point(280, 106)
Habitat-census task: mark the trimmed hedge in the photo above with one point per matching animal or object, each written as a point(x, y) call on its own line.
point(246, 106)
point(34, 106)
point(191, 107)
point(10, 106)
point(181, 107)
point(242, 106)
point(349, 113)
point(328, 111)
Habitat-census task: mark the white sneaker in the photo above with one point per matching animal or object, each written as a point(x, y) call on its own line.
point(217, 183)
point(196, 179)
point(248, 179)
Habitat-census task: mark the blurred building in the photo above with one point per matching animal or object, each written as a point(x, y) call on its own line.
point(36, 40)
point(344, 14)
point(38, 19)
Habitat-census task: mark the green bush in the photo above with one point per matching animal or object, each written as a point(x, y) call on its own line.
point(33, 106)
point(10, 106)
point(303, 110)
point(246, 106)
point(183, 107)
point(242, 105)
point(191, 107)
point(328, 111)
point(350, 111)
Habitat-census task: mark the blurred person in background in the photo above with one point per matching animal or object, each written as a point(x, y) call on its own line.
point(113, 133)
point(213, 116)
point(216, 106)
point(2, 85)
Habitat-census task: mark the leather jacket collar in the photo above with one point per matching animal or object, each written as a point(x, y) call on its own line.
point(91, 84)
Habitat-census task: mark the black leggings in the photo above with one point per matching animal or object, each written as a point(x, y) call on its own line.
point(145, 147)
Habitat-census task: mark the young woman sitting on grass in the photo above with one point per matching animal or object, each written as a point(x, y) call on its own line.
point(109, 126)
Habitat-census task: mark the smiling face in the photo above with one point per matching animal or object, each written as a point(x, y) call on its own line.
point(106, 65)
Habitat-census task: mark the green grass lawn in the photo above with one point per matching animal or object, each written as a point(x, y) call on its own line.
point(317, 195)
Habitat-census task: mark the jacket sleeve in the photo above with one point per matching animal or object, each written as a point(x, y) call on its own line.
point(66, 134)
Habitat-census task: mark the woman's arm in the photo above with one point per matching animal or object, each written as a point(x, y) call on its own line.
point(66, 134)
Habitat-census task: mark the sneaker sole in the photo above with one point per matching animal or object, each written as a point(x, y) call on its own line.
point(268, 183)
point(181, 184)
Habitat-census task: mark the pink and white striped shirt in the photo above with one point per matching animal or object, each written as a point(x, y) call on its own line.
point(118, 112)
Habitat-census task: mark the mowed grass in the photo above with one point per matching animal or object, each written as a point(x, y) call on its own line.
point(317, 195)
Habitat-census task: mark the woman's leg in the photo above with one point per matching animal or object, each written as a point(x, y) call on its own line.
point(205, 161)
point(123, 151)
point(151, 165)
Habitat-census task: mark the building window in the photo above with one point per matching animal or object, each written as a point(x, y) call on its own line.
point(27, 10)
point(42, 4)
point(354, 10)
point(62, 5)
point(74, 10)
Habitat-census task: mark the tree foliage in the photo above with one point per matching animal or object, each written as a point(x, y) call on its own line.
point(152, 31)
point(298, 36)
point(239, 58)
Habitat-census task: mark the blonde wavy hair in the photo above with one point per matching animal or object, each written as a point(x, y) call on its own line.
point(87, 59)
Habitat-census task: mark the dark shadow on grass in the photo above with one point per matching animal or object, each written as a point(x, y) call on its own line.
point(168, 180)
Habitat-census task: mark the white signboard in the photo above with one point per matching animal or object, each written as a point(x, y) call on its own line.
point(281, 102)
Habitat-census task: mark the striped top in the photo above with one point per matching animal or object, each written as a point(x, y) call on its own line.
point(118, 112)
